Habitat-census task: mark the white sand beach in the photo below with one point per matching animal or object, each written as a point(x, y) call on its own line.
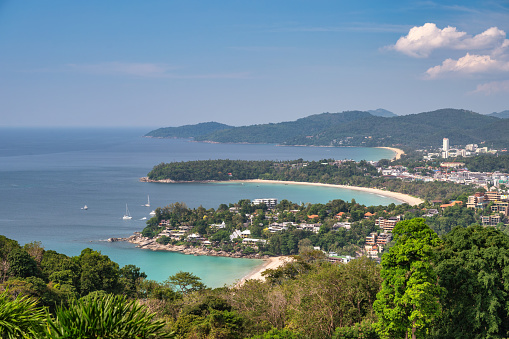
point(398, 196)
point(271, 263)
point(398, 152)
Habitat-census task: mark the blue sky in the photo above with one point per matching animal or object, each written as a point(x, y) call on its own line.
point(170, 63)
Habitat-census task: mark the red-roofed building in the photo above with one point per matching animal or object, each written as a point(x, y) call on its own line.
point(340, 215)
point(456, 202)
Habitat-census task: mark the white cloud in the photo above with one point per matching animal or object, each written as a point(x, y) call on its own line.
point(422, 40)
point(492, 88)
point(469, 64)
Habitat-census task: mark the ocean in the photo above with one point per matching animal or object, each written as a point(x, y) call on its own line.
point(48, 175)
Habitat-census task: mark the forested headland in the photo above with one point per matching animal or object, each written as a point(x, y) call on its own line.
point(327, 171)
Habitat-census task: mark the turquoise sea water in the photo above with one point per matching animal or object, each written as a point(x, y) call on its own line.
point(48, 175)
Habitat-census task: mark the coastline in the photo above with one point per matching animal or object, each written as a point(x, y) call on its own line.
point(405, 198)
point(398, 152)
point(151, 244)
point(256, 274)
point(270, 263)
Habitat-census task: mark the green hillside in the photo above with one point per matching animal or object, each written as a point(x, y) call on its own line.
point(283, 131)
point(357, 128)
point(415, 130)
point(187, 131)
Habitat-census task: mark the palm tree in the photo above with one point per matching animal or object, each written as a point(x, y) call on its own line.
point(20, 318)
point(108, 317)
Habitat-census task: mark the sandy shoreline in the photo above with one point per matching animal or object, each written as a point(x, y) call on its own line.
point(271, 263)
point(398, 152)
point(395, 195)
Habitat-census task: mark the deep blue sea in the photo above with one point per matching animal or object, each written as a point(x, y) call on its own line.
point(48, 175)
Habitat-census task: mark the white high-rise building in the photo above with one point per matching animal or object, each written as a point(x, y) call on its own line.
point(445, 148)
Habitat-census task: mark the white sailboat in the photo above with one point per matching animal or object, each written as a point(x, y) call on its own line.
point(148, 201)
point(127, 215)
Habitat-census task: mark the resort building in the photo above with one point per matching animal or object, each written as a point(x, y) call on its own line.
point(491, 220)
point(387, 224)
point(270, 203)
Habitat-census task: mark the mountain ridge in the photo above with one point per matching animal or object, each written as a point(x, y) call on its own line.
point(361, 128)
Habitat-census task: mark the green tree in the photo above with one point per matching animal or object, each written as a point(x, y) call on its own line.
point(186, 282)
point(408, 302)
point(130, 277)
point(98, 272)
point(332, 296)
point(473, 265)
point(21, 264)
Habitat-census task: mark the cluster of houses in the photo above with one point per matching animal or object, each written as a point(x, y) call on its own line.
point(183, 232)
point(498, 206)
point(498, 203)
point(448, 171)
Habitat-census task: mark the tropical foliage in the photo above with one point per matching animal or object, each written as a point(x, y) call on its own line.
point(20, 317)
point(108, 317)
point(408, 301)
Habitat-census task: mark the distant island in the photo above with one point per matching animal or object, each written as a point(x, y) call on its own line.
point(376, 128)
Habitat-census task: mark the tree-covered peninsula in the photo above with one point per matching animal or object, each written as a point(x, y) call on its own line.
point(327, 171)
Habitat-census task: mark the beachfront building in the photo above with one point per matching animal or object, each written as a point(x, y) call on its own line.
point(269, 202)
point(253, 241)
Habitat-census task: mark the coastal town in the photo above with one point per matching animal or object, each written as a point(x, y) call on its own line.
point(252, 234)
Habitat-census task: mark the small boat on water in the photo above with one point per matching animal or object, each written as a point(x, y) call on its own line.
point(153, 212)
point(148, 201)
point(85, 207)
point(127, 215)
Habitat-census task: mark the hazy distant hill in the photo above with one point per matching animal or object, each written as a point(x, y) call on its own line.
point(380, 112)
point(500, 115)
point(357, 128)
point(281, 132)
point(187, 131)
point(414, 130)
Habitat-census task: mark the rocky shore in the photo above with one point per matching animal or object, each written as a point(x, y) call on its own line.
point(151, 244)
point(146, 179)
